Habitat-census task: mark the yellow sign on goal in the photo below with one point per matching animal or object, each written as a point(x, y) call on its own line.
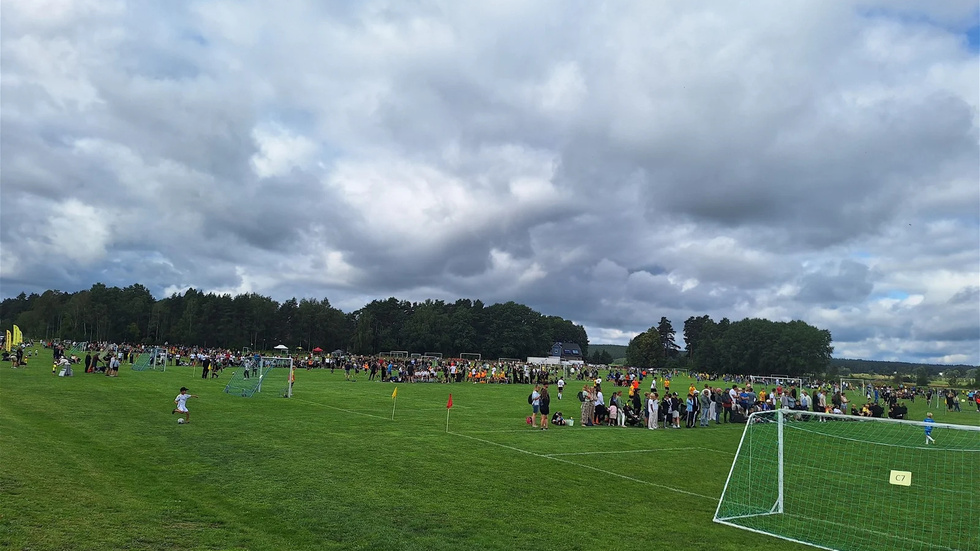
point(900, 478)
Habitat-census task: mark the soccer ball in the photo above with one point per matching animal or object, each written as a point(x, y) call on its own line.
point(180, 421)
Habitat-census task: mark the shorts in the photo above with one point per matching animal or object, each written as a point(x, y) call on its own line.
point(545, 409)
point(535, 409)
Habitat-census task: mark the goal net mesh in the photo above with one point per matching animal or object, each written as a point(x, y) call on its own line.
point(856, 483)
point(269, 373)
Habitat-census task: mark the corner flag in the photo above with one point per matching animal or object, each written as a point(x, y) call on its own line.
point(394, 393)
point(449, 404)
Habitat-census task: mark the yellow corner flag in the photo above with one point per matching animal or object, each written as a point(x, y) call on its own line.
point(394, 393)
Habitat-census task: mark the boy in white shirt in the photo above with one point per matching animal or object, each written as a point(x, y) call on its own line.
point(181, 401)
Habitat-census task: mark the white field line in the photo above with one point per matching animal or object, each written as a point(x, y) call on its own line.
point(603, 471)
point(341, 409)
point(622, 451)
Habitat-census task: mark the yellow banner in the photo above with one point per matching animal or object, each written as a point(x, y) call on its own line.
point(18, 336)
point(6, 343)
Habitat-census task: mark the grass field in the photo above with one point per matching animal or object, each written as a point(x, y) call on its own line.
point(91, 462)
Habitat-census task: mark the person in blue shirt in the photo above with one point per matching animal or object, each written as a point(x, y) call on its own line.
point(929, 421)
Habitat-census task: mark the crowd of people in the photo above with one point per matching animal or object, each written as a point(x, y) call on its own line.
point(731, 401)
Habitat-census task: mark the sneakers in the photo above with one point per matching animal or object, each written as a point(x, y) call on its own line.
point(173, 412)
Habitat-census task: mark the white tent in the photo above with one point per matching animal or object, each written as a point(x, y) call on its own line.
point(282, 347)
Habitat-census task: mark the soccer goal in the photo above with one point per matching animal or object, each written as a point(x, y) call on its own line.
point(776, 380)
point(509, 360)
point(864, 386)
point(155, 359)
point(250, 377)
point(432, 355)
point(470, 356)
point(398, 353)
point(853, 483)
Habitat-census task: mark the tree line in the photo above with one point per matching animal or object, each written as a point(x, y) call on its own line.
point(132, 314)
point(747, 347)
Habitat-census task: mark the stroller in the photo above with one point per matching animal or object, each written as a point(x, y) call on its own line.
point(633, 418)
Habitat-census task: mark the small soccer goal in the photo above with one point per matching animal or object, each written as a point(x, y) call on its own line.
point(432, 355)
point(470, 356)
point(864, 386)
point(155, 359)
point(270, 371)
point(776, 380)
point(509, 360)
point(851, 483)
point(398, 353)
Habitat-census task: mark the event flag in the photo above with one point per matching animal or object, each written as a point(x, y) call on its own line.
point(6, 343)
point(394, 393)
point(18, 336)
point(449, 404)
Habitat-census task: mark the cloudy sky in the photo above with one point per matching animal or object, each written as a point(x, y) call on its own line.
point(607, 162)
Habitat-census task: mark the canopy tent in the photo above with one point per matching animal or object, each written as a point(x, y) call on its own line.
point(317, 350)
point(282, 347)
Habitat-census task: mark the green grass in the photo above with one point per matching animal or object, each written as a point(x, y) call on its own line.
point(91, 462)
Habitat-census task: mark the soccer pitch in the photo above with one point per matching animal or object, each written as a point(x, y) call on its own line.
point(92, 462)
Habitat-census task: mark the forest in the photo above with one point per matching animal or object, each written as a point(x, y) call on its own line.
point(511, 330)
point(132, 314)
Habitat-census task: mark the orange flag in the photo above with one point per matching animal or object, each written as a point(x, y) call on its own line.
point(449, 404)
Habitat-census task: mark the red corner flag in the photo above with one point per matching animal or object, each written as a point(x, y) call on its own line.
point(449, 404)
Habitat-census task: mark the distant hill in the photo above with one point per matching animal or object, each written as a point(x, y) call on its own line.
point(614, 350)
point(888, 368)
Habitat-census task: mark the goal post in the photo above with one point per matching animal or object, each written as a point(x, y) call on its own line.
point(249, 377)
point(153, 359)
point(470, 356)
point(851, 483)
point(866, 386)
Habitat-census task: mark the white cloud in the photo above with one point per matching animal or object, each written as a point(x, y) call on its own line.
point(812, 161)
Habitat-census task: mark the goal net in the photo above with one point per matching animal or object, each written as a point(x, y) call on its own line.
point(853, 483)
point(470, 356)
point(269, 373)
point(863, 386)
point(776, 380)
point(398, 354)
point(155, 359)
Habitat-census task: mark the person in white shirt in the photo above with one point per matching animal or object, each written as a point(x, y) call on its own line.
point(653, 410)
point(181, 401)
point(561, 386)
point(600, 407)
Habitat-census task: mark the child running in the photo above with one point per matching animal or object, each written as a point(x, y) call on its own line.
point(181, 401)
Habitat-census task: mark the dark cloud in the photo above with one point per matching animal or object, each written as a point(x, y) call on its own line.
point(779, 160)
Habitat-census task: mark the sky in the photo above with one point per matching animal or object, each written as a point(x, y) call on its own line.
point(607, 162)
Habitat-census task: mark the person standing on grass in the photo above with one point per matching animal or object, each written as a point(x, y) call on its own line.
point(704, 406)
point(691, 410)
point(561, 386)
point(653, 407)
point(588, 406)
point(929, 421)
point(181, 401)
point(535, 400)
point(545, 409)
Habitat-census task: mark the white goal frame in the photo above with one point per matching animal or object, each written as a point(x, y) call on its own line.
point(398, 354)
point(777, 380)
point(470, 356)
point(781, 416)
